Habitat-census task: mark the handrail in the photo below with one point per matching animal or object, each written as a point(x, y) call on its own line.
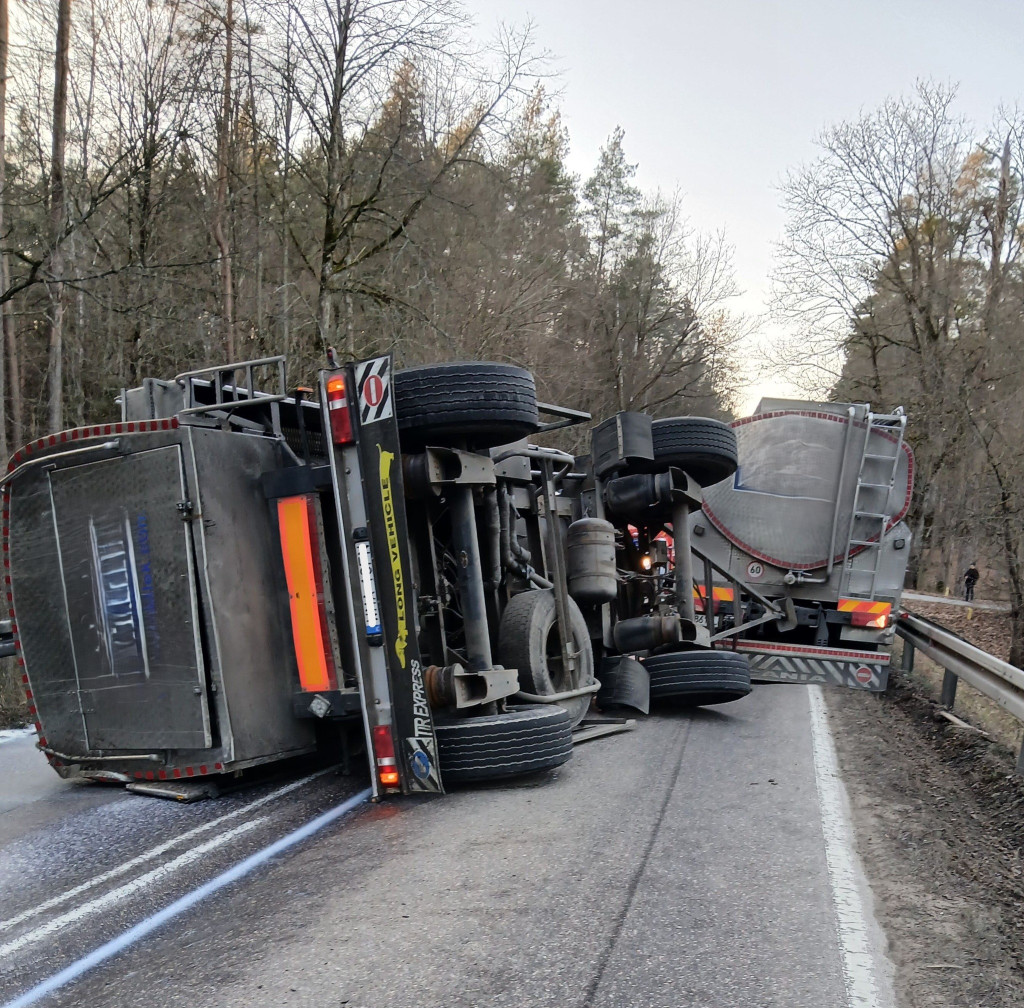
point(1000, 681)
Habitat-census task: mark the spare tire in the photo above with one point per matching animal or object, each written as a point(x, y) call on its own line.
point(703, 448)
point(696, 678)
point(523, 740)
point(478, 404)
point(528, 641)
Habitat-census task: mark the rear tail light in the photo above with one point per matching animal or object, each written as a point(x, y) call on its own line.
point(384, 754)
point(337, 408)
point(877, 621)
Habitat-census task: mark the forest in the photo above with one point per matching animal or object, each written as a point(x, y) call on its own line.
point(187, 183)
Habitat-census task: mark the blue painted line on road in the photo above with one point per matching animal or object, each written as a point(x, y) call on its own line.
point(128, 938)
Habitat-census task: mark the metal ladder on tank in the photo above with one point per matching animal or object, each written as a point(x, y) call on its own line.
point(876, 474)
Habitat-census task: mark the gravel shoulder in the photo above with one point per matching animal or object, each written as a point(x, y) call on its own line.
point(939, 822)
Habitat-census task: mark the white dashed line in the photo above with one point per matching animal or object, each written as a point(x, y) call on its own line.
point(153, 852)
point(129, 889)
point(132, 935)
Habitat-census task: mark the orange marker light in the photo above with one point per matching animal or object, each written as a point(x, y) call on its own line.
point(337, 407)
point(300, 550)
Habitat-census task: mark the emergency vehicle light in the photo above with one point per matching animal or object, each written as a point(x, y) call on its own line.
point(300, 550)
point(384, 753)
point(337, 408)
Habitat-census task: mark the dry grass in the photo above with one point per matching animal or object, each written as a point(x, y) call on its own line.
point(974, 707)
point(13, 706)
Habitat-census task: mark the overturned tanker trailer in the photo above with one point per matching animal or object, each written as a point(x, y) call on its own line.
point(812, 521)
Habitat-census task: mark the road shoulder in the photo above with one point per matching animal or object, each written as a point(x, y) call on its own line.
point(938, 829)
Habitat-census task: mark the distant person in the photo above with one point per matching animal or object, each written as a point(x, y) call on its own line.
point(970, 580)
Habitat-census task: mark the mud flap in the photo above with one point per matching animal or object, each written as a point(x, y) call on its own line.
point(391, 679)
point(624, 683)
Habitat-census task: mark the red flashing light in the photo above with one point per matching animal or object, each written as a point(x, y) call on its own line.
point(337, 407)
point(384, 753)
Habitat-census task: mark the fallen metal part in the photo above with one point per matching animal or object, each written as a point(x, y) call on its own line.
point(594, 727)
point(178, 791)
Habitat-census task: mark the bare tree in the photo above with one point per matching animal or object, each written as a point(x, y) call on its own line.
point(57, 215)
point(8, 348)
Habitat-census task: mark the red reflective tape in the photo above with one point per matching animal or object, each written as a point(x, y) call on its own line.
point(33, 710)
point(177, 773)
point(189, 772)
point(150, 775)
point(28, 692)
point(39, 732)
point(218, 766)
point(202, 769)
point(161, 774)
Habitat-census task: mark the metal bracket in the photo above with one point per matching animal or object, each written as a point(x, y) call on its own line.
point(451, 467)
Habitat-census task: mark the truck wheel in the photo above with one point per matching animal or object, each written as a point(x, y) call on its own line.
point(475, 403)
point(696, 678)
point(523, 740)
point(704, 449)
point(528, 641)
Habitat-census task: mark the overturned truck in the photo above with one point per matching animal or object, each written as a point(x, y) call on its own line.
point(230, 577)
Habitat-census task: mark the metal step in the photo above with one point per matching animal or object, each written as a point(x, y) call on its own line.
point(871, 514)
point(880, 458)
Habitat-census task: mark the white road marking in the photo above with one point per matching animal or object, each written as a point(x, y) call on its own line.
point(153, 852)
point(860, 970)
point(132, 935)
point(129, 889)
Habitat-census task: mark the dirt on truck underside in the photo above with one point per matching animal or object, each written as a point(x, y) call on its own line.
point(939, 822)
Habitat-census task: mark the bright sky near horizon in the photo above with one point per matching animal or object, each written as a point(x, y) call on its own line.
point(720, 97)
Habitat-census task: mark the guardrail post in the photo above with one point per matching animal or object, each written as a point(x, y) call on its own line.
point(949, 682)
point(1020, 760)
point(907, 665)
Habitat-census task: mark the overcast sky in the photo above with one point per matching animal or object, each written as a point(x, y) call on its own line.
point(720, 97)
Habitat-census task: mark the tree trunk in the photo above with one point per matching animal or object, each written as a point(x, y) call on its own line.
point(1017, 634)
point(220, 213)
point(6, 336)
point(55, 369)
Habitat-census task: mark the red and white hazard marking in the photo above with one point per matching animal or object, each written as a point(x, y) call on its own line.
point(863, 675)
point(373, 380)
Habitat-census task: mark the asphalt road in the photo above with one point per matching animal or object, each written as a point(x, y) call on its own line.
point(684, 863)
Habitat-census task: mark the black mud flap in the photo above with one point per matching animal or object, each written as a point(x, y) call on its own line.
point(624, 683)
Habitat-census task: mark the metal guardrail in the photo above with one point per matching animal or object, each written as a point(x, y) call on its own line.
point(1000, 681)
